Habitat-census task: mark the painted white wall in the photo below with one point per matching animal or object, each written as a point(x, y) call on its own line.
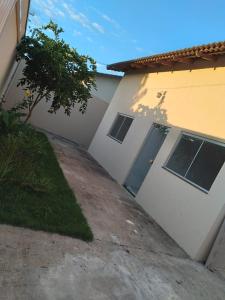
point(194, 102)
point(190, 216)
point(106, 86)
point(13, 18)
point(8, 41)
point(78, 127)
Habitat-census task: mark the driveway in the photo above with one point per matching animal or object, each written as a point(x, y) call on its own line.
point(131, 257)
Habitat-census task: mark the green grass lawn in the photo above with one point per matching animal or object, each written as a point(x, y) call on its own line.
point(53, 209)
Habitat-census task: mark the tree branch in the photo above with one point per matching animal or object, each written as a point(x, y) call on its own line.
point(37, 100)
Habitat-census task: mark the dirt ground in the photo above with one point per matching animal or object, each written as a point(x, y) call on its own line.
point(131, 257)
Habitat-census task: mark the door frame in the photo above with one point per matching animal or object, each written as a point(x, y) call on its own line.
point(138, 153)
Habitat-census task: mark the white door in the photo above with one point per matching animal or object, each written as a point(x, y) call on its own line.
point(145, 159)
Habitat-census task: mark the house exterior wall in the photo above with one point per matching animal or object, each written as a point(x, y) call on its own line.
point(193, 102)
point(13, 16)
point(8, 41)
point(106, 86)
point(78, 127)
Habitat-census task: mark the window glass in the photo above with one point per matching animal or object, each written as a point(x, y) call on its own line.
point(124, 128)
point(197, 160)
point(120, 127)
point(183, 154)
point(207, 165)
point(116, 126)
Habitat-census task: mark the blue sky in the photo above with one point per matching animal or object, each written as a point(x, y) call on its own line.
point(117, 30)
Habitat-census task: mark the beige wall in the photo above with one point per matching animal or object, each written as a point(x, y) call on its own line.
point(194, 101)
point(11, 30)
point(107, 84)
point(78, 128)
point(8, 41)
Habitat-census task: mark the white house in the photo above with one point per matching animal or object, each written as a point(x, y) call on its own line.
point(163, 138)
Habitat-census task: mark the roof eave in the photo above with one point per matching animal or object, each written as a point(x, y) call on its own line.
point(209, 52)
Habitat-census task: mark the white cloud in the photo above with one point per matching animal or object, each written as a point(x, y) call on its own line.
point(82, 19)
point(110, 20)
point(48, 12)
point(118, 32)
point(106, 17)
point(60, 13)
point(48, 7)
point(77, 33)
point(98, 27)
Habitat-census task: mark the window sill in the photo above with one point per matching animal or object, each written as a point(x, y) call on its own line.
point(118, 141)
point(186, 180)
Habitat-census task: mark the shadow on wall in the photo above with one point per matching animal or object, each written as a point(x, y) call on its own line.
point(150, 106)
point(156, 113)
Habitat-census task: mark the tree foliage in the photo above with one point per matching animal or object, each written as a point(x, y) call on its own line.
point(54, 72)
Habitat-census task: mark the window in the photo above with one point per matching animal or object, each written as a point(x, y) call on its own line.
point(197, 160)
point(120, 127)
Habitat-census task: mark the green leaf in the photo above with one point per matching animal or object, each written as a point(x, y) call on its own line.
point(54, 71)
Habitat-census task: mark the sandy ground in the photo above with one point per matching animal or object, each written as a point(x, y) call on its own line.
point(131, 257)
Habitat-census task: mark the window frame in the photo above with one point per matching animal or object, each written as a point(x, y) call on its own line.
point(201, 138)
point(113, 124)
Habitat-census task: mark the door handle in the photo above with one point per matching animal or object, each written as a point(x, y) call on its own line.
point(151, 161)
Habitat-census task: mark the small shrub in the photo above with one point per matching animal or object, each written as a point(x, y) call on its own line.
point(10, 121)
point(19, 152)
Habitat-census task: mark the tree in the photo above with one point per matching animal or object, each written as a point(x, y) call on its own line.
point(54, 72)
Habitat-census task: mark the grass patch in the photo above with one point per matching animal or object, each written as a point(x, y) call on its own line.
point(44, 201)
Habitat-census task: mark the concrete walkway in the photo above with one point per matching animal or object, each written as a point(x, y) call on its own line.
point(131, 258)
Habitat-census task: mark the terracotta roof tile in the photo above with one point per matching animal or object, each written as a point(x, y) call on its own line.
point(209, 51)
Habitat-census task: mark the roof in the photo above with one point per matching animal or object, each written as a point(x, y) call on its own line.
point(208, 52)
point(108, 75)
